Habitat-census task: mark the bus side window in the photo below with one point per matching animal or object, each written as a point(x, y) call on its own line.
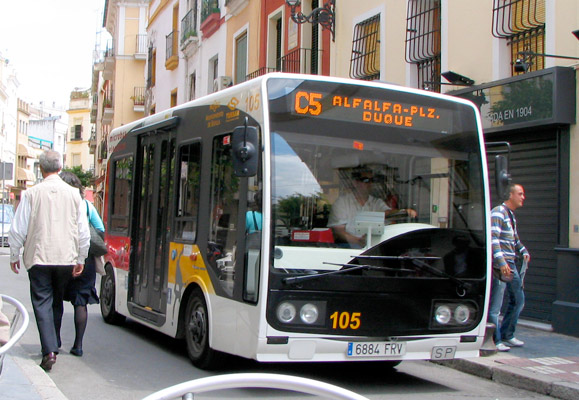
point(188, 192)
point(121, 195)
point(224, 205)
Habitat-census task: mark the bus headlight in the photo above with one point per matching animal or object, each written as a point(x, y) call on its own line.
point(286, 312)
point(309, 313)
point(451, 313)
point(462, 314)
point(442, 314)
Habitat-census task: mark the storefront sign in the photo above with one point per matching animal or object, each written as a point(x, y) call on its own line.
point(533, 99)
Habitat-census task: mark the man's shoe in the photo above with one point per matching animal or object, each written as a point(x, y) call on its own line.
point(48, 361)
point(502, 347)
point(514, 342)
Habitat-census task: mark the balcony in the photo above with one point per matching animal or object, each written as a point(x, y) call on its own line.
point(259, 72)
point(189, 35)
point(172, 53)
point(234, 7)
point(141, 47)
point(109, 69)
point(92, 143)
point(210, 17)
point(138, 99)
point(299, 61)
point(108, 110)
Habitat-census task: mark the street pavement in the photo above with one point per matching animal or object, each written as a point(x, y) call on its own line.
point(548, 364)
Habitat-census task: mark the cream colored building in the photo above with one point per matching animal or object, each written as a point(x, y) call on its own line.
point(79, 131)
point(118, 84)
point(421, 43)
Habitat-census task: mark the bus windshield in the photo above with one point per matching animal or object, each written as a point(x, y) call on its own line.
point(360, 173)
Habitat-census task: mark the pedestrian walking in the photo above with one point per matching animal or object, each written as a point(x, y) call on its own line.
point(51, 225)
point(81, 290)
point(506, 249)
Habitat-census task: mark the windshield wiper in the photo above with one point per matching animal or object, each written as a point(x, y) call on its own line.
point(346, 268)
point(418, 262)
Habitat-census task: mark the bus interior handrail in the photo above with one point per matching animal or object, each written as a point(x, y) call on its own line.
point(254, 380)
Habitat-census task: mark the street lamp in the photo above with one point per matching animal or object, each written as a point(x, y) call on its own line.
point(523, 64)
point(324, 16)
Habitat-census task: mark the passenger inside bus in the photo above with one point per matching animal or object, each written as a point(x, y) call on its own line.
point(348, 205)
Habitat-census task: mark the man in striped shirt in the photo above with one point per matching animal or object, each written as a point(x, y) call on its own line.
point(506, 248)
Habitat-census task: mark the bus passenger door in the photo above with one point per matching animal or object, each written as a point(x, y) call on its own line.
point(151, 230)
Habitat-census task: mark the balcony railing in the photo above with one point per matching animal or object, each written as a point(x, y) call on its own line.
point(170, 48)
point(209, 7)
point(189, 25)
point(139, 96)
point(141, 46)
point(298, 61)
point(260, 72)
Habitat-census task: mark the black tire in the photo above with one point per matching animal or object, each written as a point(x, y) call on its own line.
point(107, 299)
point(197, 334)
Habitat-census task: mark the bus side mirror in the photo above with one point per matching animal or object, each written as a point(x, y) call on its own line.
point(245, 155)
point(502, 176)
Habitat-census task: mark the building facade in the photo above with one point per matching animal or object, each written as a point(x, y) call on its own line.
point(521, 72)
point(79, 131)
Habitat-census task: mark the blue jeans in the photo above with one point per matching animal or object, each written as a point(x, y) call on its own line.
point(506, 330)
point(514, 307)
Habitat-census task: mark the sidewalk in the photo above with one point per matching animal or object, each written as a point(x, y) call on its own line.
point(547, 364)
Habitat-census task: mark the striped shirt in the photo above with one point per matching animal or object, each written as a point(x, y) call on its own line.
point(505, 240)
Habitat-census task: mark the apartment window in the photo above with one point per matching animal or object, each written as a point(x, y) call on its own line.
point(423, 41)
point(365, 59)
point(192, 85)
point(522, 24)
point(214, 73)
point(76, 160)
point(241, 58)
point(151, 67)
point(173, 97)
point(76, 130)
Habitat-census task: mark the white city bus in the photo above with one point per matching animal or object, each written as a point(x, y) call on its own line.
point(218, 221)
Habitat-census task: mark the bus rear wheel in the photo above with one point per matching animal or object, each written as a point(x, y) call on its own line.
point(107, 298)
point(197, 333)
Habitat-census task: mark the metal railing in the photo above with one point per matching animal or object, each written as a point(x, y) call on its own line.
point(259, 72)
point(17, 327)
point(139, 96)
point(255, 380)
point(209, 7)
point(141, 44)
point(189, 25)
point(170, 41)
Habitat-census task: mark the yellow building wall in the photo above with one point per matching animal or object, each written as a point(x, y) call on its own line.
point(467, 46)
point(249, 16)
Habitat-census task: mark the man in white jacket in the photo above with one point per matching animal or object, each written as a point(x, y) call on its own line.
point(50, 223)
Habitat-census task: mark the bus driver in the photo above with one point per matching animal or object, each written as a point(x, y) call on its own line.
point(347, 206)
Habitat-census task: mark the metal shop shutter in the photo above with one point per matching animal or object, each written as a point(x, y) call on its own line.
point(534, 165)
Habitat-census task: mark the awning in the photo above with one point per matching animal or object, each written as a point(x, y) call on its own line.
point(25, 151)
point(22, 174)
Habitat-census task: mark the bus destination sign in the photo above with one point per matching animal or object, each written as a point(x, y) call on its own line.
point(371, 111)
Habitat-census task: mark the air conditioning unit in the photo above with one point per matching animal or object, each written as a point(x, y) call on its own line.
point(221, 83)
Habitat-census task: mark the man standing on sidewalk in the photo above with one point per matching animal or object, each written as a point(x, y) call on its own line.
point(51, 224)
point(506, 248)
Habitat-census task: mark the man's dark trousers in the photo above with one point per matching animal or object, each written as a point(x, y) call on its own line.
point(47, 285)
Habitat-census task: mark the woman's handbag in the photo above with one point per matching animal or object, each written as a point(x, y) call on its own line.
point(100, 265)
point(97, 244)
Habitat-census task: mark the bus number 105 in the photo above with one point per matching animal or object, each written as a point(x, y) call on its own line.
point(345, 320)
